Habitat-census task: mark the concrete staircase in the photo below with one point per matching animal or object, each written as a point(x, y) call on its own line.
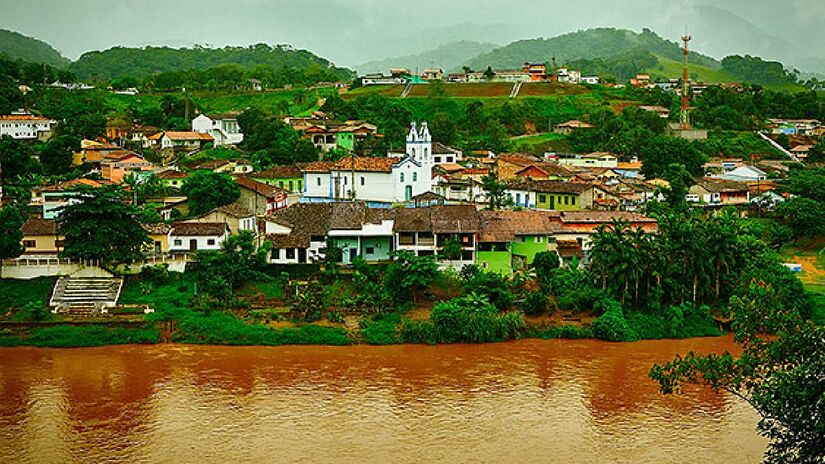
point(85, 296)
point(407, 89)
point(516, 89)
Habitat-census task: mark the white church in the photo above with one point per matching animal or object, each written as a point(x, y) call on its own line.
point(378, 181)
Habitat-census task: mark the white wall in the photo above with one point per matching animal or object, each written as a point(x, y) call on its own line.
point(202, 242)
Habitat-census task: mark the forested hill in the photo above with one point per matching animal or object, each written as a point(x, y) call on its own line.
point(449, 57)
point(142, 62)
point(585, 45)
point(18, 46)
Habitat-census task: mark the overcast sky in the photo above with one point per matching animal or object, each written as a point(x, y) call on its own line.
point(350, 32)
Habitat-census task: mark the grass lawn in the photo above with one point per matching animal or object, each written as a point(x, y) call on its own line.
point(540, 143)
point(219, 103)
point(385, 90)
point(175, 293)
point(548, 89)
point(14, 294)
point(810, 253)
point(672, 69)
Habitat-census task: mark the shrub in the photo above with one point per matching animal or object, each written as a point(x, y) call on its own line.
point(335, 316)
point(472, 319)
point(494, 287)
point(560, 331)
point(534, 304)
point(381, 329)
point(612, 325)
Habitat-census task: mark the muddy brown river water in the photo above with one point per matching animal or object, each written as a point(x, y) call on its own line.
point(531, 401)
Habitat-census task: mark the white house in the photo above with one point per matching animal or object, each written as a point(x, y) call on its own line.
point(184, 140)
point(223, 128)
point(744, 174)
point(590, 160)
point(392, 179)
point(24, 126)
point(186, 237)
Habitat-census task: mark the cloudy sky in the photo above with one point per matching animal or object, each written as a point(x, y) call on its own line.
point(350, 32)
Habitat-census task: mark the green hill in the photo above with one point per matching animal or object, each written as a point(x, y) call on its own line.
point(449, 57)
point(18, 46)
point(672, 69)
point(141, 62)
point(585, 45)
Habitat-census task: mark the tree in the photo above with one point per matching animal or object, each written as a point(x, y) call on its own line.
point(489, 74)
point(779, 375)
point(11, 234)
point(662, 151)
point(545, 263)
point(100, 225)
point(15, 159)
point(496, 192)
point(806, 217)
point(443, 128)
point(221, 273)
point(56, 156)
point(451, 250)
point(207, 190)
point(408, 274)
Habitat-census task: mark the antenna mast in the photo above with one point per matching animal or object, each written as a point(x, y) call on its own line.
point(684, 123)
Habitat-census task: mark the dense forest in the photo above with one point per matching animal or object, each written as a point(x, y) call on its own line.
point(142, 62)
point(20, 47)
point(581, 45)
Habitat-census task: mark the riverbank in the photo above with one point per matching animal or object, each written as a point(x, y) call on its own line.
point(217, 328)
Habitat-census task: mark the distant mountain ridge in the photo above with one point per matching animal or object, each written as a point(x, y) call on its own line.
point(450, 57)
point(585, 45)
point(141, 62)
point(18, 46)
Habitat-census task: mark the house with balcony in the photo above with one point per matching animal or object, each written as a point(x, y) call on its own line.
point(298, 234)
point(187, 141)
point(26, 126)
point(426, 231)
point(223, 128)
point(328, 134)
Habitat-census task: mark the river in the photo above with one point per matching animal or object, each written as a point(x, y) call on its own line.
point(530, 401)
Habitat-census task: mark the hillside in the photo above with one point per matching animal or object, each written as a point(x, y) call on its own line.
point(449, 57)
point(141, 62)
point(585, 45)
point(672, 69)
point(19, 46)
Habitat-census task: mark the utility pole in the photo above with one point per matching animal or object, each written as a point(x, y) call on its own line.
point(684, 123)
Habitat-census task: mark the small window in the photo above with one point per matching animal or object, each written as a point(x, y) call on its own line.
point(574, 201)
point(29, 243)
point(178, 242)
point(276, 253)
point(542, 198)
point(415, 176)
point(290, 185)
point(318, 179)
point(437, 159)
point(449, 159)
point(290, 253)
point(362, 180)
point(370, 250)
point(402, 177)
point(210, 241)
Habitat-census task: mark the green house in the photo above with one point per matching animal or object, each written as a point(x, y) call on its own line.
point(510, 240)
point(551, 194)
point(370, 249)
point(289, 178)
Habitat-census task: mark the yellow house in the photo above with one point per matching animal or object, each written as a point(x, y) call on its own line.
point(159, 235)
point(40, 237)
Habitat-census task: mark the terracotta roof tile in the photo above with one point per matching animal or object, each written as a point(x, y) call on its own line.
point(366, 164)
point(38, 226)
point(192, 229)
